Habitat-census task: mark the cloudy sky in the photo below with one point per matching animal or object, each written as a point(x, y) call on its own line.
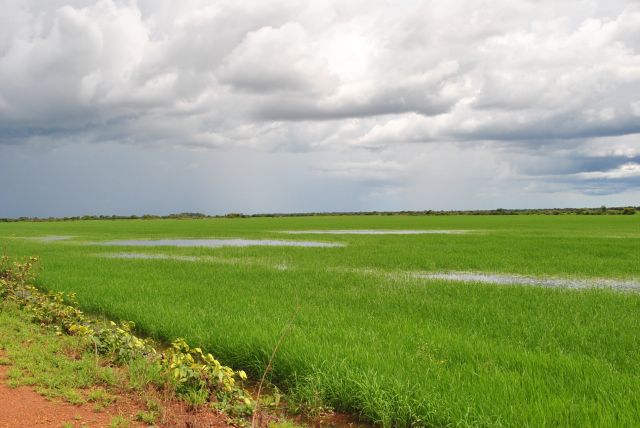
point(160, 106)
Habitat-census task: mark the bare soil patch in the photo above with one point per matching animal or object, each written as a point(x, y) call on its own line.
point(23, 407)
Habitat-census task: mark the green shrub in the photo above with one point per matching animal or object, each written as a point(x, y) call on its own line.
point(199, 377)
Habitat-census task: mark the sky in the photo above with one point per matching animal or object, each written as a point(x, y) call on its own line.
point(158, 106)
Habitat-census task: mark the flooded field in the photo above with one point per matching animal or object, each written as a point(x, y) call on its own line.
point(51, 238)
point(142, 256)
point(504, 279)
point(374, 232)
point(216, 243)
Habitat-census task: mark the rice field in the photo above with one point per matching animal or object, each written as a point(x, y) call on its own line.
point(383, 328)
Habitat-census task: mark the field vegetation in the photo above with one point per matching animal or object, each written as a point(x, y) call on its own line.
point(369, 336)
point(52, 345)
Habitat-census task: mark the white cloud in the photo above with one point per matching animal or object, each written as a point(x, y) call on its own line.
point(627, 170)
point(275, 60)
point(434, 71)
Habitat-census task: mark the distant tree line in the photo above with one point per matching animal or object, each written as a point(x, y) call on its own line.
point(499, 211)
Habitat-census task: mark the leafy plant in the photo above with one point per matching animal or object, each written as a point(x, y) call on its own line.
point(196, 376)
point(199, 377)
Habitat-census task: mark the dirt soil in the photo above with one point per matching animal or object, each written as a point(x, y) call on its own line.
point(22, 407)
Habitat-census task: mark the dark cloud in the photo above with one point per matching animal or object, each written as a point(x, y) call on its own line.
point(601, 186)
point(576, 164)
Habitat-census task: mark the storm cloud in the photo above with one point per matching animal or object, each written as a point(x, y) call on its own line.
point(376, 94)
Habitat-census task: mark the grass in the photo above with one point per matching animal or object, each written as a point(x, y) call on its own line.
point(395, 350)
point(119, 422)
point(146, 416)
point(55, 365)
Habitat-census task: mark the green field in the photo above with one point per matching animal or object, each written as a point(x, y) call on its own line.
point(370, 337)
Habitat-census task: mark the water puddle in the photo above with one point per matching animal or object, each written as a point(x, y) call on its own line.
point(50, 238)
point(375, 232)
point(203, 259)
point(506, 279)
point(149, 256)
point(216, 243)
point(469, 277)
